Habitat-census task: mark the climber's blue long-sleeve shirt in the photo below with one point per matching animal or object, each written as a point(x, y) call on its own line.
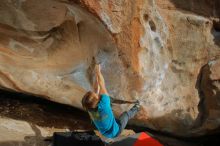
point(104, 119)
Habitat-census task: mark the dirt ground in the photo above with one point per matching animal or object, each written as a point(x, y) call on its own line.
point(28, 121)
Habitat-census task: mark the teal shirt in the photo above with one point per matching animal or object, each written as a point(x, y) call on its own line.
point(104, 119)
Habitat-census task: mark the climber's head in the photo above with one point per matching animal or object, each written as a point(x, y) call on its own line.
point(90, 100)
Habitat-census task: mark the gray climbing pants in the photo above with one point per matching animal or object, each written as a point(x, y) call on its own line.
point(125, 117)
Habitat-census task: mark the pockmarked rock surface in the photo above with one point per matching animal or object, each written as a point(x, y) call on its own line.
point(164, 53)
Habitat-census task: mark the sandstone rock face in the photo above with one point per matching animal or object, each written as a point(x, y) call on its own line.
point(165, 53)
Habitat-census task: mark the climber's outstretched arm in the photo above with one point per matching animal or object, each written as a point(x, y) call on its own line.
point(100, 80)
point(96, 87)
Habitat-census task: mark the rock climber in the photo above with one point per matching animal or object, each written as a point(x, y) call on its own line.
point(98, 105)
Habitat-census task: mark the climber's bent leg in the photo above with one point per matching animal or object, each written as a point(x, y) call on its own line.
point(126, 116)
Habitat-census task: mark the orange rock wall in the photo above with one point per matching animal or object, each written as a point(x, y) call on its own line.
point(164, 53)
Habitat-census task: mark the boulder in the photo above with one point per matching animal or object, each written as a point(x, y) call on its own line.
point(164, 53)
